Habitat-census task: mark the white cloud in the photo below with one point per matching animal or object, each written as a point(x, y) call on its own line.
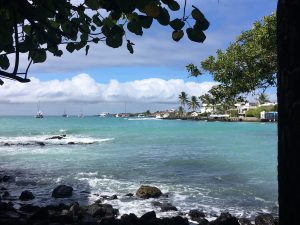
point(83, 88)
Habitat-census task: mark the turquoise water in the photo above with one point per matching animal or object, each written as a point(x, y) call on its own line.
point(212, 166)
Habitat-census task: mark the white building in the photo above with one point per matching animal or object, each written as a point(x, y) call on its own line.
point(243, 107)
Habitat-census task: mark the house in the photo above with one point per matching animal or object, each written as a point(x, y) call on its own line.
point(194, 114)
point(243, 107)
point(269, 116)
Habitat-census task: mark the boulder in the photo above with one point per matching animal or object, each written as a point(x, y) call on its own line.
point(26, 195)
point(148, 192)
point(177, 220)
point(5, 178)
point(129, 219)
point(264, 219)
point(196, 214)
point(40, 214)
point(202, 221)
point(167, 207)
point(40, 143)
point(225, 219)
point(244, 221)
point(29, 208)
point(129, 195)
point(62, 191)
point(71, 143)
point(102, 210)
point(148, 218)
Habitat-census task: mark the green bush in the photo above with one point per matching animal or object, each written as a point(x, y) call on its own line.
point(256, 111)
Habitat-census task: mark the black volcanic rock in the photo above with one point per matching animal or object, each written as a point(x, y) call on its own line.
point(62, 191)
point(26, 195)
point(264, 219)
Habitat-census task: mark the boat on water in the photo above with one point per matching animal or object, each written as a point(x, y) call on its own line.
point(39, 113)
point(104, 114)
point(65, 115)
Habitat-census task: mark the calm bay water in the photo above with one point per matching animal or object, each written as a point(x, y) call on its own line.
point(211, 166)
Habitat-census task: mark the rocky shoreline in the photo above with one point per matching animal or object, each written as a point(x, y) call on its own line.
point(99, 212)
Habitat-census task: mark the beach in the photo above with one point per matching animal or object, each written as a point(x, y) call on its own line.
point(212, 167)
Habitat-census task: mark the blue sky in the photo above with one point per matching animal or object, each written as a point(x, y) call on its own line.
point(116, 70)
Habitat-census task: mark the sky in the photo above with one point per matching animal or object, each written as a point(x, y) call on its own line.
point(150, 79)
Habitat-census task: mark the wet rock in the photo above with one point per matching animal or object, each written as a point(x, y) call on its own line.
point(177, 220)
point(196, 214)
point(62, 191)
point(106, 197)
point(244, 221)
point(129, 195)
point(202, 221)
point(264, 219)
point(58, 207)
point(276, 221)
point(102, 210)
point(5, 178)
point(26, 195)
point(40, 143)
point(71, 143)
point(148, 192)
point(225, 219)
point(59, 137)
point(29, 208)
point(6, 144)
point(3, 189)
point(75, 211)
point(165, 207)
point(148, 218)
point(129, 219)
point(40, 214)
point(5, 195)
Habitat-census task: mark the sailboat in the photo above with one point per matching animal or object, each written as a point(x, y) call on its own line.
point(39, 113)
point(65, 114)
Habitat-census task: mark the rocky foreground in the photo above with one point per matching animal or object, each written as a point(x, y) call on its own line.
point(100, 213)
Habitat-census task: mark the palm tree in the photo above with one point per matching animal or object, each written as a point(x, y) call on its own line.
point(263, 98)
point(180, 111)
point(208, 100)
point(194, 103)
point(183, 98)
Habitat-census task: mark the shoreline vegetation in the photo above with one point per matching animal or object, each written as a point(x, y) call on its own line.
point(20, 211)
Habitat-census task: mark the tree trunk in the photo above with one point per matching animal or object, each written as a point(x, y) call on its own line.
point(288, 42)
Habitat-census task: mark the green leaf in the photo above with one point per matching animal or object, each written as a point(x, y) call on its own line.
point(177, 24)
point(152, 9)
point(105, 30)
point(195, 35)
point(129, 46)
point(177, 35)
point(4, 62)
point(174, 6)
point(201, 25)
point(92, 4)
point(70, 47)
point(197, 14)
point(164, 17)
point(39, 56)
point(114, 41)
point(87, 49)
point(134, 27)
point(97, 21)
point(145, 21)
point(126, 6)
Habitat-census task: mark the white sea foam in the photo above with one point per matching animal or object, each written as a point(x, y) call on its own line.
point(46, 139)
point(144, 119)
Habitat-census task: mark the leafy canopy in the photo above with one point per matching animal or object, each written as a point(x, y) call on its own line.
point(40, 27)
point(247, 64)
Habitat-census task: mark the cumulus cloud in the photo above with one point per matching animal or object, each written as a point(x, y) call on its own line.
point(83, 88)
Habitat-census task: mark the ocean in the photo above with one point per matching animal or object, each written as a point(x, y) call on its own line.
point(211, 166)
